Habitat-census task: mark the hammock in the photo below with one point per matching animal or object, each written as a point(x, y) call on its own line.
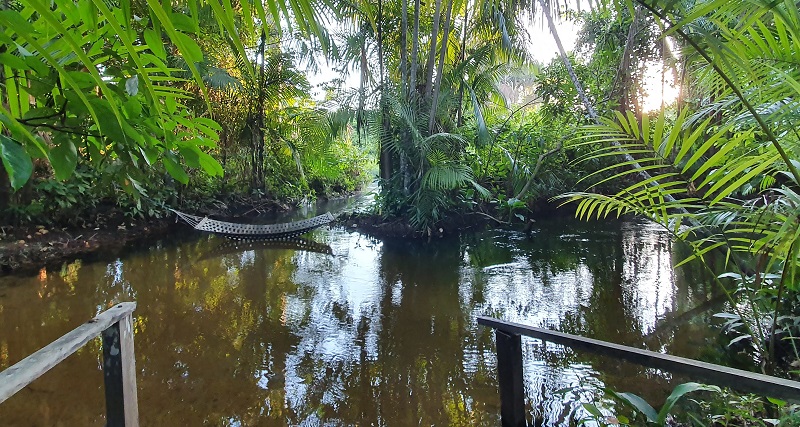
point(255, 231)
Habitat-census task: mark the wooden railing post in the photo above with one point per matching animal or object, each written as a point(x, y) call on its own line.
point(509, 376)
point(119, 372)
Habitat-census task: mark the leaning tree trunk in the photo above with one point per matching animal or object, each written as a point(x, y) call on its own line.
point(624, 79)
point(585, 100)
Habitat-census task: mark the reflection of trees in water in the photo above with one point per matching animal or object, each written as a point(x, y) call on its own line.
point(424, 337)
point(381, 332)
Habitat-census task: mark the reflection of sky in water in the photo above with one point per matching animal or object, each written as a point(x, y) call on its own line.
point(348, 289)
point(380, 332)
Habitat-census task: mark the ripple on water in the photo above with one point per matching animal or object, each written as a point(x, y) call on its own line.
point(378, 332)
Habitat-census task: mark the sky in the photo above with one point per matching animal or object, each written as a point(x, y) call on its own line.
point(541, 46)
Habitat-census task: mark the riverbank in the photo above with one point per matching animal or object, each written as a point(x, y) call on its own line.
point(26, 249)
point(29, 248)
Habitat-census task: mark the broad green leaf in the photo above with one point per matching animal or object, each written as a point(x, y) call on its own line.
point(189, 48)
point(64, 158)
point(174, 169)
point(16, 161)
point(13, 61)
point(155, 44)
point(592, 409)
point(639, 404)
point(679, 392)
point(108, 125)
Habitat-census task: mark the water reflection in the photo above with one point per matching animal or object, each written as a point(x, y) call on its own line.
point(370, 332)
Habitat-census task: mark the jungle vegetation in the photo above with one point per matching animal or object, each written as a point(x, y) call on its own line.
point(145, 104)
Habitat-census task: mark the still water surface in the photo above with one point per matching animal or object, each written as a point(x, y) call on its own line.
point(357, 330)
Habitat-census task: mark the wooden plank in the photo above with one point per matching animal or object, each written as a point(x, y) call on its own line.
point(32, 367)
point(716, 374)
point(119, 373)
point(509, 377)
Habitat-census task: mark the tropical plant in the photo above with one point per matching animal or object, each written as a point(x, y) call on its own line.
point(90, 81)
point(722, 176)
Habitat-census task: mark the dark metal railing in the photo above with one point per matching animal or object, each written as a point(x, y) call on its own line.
point(119, 367)
point(509, 366)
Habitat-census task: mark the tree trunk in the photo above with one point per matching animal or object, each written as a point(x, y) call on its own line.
point(385, 156)
point(361, 87)
point(624, 79)
point(258, 132)
point(440, 68)
point(582, 95)
point(414, 50)
point(463, 54)
point(404, 48)
point(565, 59)
point(432, 50)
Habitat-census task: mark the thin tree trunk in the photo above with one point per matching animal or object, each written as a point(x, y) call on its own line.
point(460, 110)
point(386, 157)
point(539, 162)
point(432, 50)
point(582, 95)
point(440, 68)
point(258, 132)
point(624, 81)
point(414, 50)
point(404, 47)
point(362, 87)
point(565, 59)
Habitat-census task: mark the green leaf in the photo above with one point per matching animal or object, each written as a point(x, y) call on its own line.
point(592, 409)
point(108, 124)
point(191, 51)
point(183, 23)
point(11, 16)
point(777, 402)
point(679, 392)
point(639, 404)
point(175, 170)
point(16, 161)
point(13, 61)
point(155, 44)
point(64, 158)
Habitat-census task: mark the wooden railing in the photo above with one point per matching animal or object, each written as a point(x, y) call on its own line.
point(509, 366)
point(119, 367)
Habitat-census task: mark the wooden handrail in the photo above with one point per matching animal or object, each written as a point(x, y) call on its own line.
point(119, 369)
point(509, 352)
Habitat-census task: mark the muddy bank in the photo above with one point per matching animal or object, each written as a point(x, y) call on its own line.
point(377, 226)
point(26, 249)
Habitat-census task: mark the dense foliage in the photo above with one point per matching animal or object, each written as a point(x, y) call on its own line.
point(121, 104)
point(137, 106)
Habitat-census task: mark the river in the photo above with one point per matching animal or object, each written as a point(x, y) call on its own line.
point(355, 330)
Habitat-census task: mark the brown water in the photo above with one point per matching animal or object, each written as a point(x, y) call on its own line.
point(363, 332)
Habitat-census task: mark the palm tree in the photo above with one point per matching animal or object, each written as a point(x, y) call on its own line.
point(110, 95)
point(734, 181)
